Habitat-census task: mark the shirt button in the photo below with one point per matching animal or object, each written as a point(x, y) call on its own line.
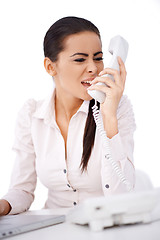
point(74, 190)
point(64, 170)
point(107, 186)
point(75, 203)
point(107, 156)
point(68, 185)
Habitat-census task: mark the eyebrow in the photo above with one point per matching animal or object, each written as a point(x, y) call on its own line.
point(85, 54)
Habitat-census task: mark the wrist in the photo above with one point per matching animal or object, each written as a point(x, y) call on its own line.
point(110, 118)
point(111, 126)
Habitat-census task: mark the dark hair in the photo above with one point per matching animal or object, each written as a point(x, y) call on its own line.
point(53, 45)
point(54, 38)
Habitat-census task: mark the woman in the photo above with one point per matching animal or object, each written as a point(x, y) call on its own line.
point(57, 140)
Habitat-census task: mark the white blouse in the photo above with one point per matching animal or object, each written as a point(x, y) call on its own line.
point(40, 152)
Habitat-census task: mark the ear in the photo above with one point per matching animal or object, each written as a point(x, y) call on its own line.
point(49, 66)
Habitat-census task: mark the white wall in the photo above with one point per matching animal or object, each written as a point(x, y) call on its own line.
point(23, 25)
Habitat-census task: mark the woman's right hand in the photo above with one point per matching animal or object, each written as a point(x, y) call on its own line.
point(5, 207)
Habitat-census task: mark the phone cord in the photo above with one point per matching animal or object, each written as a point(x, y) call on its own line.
point(106, 144)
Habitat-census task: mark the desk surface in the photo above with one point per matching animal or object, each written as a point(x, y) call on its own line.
point(69, 231)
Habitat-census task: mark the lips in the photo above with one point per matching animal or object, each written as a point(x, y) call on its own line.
point(87, 82)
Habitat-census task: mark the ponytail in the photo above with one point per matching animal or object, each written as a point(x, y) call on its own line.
point(89, 136)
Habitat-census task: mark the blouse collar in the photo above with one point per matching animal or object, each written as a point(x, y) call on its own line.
point(46, 108)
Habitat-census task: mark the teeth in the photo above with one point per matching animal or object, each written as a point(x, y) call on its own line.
point(86, 81)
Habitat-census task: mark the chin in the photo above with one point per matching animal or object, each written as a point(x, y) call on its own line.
point(87, 97)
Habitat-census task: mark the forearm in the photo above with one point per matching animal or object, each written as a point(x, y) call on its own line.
point(122, 155)
point(5, 207)
point(111, 181)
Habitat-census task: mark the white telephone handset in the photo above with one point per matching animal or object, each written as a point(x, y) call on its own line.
point(118, 47)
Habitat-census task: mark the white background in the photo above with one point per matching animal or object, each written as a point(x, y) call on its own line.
point(23, 25)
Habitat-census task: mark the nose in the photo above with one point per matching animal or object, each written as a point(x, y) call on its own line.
point(92, 67)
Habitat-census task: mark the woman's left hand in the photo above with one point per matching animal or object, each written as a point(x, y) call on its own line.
point(113, 90)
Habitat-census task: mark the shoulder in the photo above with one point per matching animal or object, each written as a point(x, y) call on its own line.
point(29, 108)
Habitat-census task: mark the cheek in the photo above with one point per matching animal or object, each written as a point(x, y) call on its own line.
point(101, 67)
point(72, 73)
point(67, 76)
point(68, 71)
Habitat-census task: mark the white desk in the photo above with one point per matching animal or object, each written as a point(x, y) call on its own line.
point(67, 231)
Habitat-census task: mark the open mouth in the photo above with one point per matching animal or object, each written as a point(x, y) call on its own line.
point(86, 84)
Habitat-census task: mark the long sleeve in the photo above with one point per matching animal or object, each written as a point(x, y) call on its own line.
point(23, 180)
point(121, 147)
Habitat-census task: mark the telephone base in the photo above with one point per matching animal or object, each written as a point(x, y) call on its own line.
point(99, 225)
point(127, 208)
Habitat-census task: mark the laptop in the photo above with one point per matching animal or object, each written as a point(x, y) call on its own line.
point(12, 225)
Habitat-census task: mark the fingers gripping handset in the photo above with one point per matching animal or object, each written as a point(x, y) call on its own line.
point(118, 47)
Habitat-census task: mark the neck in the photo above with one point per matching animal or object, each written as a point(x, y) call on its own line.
point(66, 105)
